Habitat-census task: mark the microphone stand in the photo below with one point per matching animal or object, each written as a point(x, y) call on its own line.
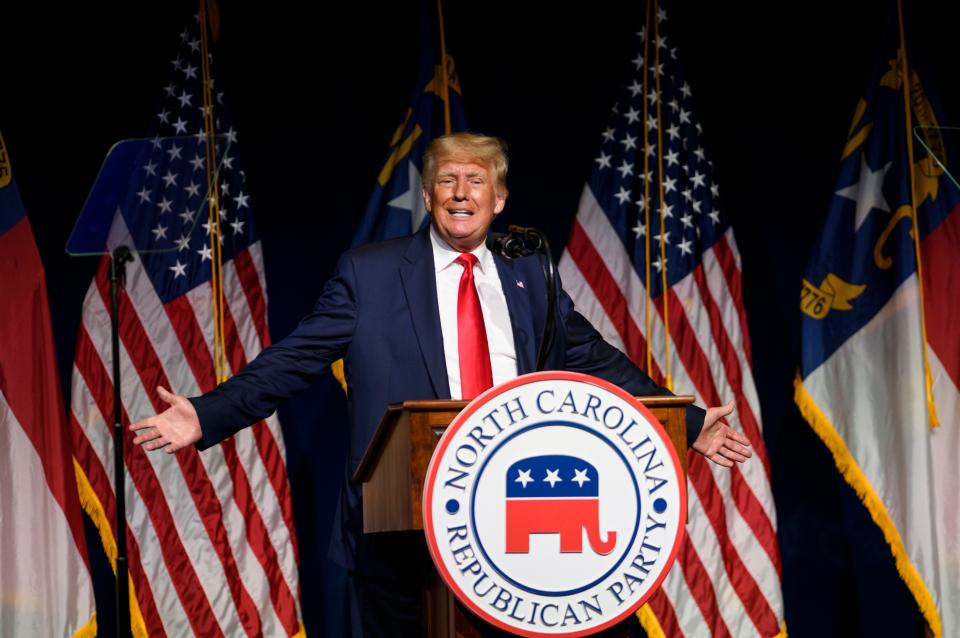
point(118, 275)
point(522, 242)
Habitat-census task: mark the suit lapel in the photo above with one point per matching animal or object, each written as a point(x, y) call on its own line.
point(420, 287)
point(515, 289)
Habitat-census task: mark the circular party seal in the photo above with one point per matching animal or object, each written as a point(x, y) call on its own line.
point(554, 505)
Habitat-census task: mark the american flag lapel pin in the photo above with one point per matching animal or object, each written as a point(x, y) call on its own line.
point(519, 284)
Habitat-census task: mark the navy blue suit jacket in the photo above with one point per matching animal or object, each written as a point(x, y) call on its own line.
point(379, 313)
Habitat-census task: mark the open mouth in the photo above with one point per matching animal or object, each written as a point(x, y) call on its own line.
point(460, 213)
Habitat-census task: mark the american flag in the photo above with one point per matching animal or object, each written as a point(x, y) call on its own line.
point(210, 536)
point(652, 262)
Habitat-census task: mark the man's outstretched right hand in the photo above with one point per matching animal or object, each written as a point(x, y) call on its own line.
point(175, 428)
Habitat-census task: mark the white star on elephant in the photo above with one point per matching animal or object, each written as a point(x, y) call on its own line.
point(580, 477)
point(523, 477)
point(553, 477)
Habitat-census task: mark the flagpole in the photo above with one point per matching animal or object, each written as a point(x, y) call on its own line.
point(121, 255)
point(663, 216)
point(447, 127)
point(908, 123)
point(646, 193)
point(213, 203)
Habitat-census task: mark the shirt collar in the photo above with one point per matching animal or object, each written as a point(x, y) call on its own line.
point(444, 255)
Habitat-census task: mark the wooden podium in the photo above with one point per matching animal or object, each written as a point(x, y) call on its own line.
point(394, 467)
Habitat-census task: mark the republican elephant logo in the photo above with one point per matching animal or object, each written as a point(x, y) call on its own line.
point(555, 494)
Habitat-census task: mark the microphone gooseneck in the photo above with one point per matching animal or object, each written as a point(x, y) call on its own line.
point(523, 242)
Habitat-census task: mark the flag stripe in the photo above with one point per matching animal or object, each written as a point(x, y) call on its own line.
point(93, 426)
point(707, 547)
point(257, 533)
point(757, 563)
point(95, 474)
point(185, 324)
point(46, 584)
point(700, 323)
point(587, 303)
point(608, 293)
point(732, 317)
point(259, 540)
point(266, 434)
point(941, 281)
point(163, 555)
point(103, 487)
point(148, 366)
point(183, 577)
point(746, 501)
point(155, 318)
point(743, 582)
point(257, 443)
point(663, 610)
point(194, 325)
point(256, 299)
point(85, 439)
point(743, 494)
point(616, 261)
point(276, 473)
point(180, 314)
point(34, 399)
point(700, 584)
point(731, 271)
point(256, 256)
point(172, 472)
point(702, 479)
point(728, 357)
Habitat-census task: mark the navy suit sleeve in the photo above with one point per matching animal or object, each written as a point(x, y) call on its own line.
point(588, 352)
point(288, 366)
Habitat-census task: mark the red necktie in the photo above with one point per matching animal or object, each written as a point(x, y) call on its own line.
point(475, 373)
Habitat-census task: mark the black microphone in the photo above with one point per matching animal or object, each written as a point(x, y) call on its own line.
point(518, 242)
point(522, 242)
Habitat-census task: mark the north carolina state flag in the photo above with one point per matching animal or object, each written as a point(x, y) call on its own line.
point(45, 576)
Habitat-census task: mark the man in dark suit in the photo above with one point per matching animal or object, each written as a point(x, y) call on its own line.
point(433, 315)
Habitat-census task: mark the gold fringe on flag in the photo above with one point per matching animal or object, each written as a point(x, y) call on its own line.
point(648, 620)
point(91, 504)
point(852, 473)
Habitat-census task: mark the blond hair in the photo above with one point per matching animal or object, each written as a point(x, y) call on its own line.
point(467, 147)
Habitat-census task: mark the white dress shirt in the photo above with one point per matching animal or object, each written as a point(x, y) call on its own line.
point(493, 304)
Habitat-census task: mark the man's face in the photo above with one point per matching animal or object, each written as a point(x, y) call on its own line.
point(462, 202)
